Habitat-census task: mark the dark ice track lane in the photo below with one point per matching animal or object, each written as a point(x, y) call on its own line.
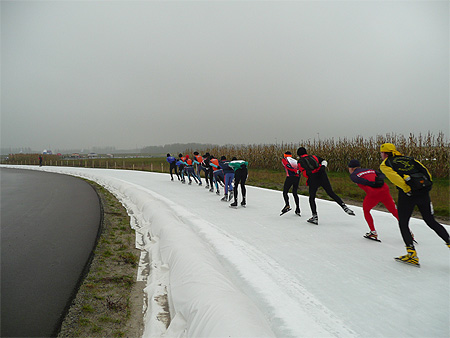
point(49, 227)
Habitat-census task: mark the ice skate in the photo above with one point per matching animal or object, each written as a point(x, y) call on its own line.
point(314, 220)
point(243, 203)
point(285, 210)
point(297, 211)
point(410, 258)
point(234, 204)
point(224, 198)
point(372, 235)
point(347, 210)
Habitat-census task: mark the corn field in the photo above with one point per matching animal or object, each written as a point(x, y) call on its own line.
point(430, 150)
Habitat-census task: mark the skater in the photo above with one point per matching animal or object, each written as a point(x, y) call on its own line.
point(208, 171)
point(198, 166)
point(313, 168)
point(218, 175)
point(229, 177)
point(181, 165)
point(173, 166)
point(40, 160)
point(240, 168)
point(292, 180)
point(189, 170)
point(414, 182)
point(372, 182)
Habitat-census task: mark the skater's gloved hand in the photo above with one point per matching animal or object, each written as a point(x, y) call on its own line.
point(324, 163)
point(409, 194)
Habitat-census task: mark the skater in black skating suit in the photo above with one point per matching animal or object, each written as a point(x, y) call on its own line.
point(316, 178)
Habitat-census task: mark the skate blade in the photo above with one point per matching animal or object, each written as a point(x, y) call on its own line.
point(407, 263)
point(233, 207)
point(373, 239)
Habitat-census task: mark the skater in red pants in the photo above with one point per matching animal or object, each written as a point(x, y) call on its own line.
point(372, 182)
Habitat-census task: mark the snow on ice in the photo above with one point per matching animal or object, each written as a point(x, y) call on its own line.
point(251, 273)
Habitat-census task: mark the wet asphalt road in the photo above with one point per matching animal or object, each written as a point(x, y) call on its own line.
point(49, 225)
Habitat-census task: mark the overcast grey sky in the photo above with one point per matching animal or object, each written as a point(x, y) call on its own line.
point(78, 74)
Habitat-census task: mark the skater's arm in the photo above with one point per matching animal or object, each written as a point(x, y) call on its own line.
point(424, 170)
point(395, 178)
point(287, 165)
point(364, 177)
point(237, 164)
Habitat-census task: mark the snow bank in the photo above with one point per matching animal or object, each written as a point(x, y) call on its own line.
point(203, 301)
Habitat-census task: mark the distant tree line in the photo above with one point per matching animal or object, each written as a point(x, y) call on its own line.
point(176, 148)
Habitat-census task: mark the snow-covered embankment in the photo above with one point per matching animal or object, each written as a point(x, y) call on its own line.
point(203, 302)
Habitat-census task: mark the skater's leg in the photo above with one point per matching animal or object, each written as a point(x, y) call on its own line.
point(243, 179)
point(313, 186)
point(286, 187)
point(405, 208)
point(389, 203)
point(368, 204)
point(295, 183)
point(325, 183)
point(424, 206)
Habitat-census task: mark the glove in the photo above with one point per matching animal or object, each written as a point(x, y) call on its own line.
point(379, 182)
point(324, 163)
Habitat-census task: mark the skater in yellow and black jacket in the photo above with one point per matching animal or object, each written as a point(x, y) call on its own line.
point(413, 181)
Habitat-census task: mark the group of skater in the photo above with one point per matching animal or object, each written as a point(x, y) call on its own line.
point(412, 179)
point(228, 174)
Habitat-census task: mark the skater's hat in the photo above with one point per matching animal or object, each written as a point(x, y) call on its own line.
point(354, 164)
point(389, 148)
point(301, 151)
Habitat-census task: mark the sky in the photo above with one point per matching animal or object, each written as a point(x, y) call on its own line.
point(127, 74)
